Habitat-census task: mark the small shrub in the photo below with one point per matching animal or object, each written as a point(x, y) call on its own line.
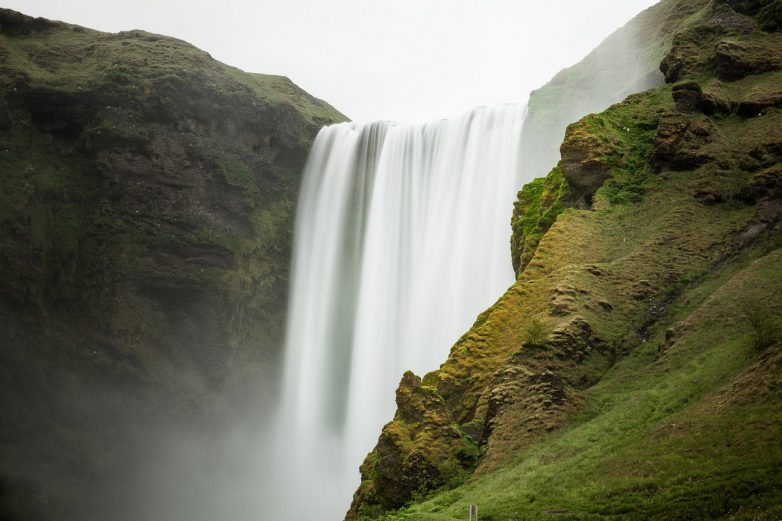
point(734, 187)
point(762, 321)
point(537, 333)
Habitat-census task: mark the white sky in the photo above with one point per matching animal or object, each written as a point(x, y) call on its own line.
point(375, 59)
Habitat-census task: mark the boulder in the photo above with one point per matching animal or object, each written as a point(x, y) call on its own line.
point(584, 162)
point(734, 59)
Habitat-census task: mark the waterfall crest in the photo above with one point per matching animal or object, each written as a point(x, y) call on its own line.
point(401, 240)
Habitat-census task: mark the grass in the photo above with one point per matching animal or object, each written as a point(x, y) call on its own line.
point(660, 437)
point(588, 261)
point(537, 333)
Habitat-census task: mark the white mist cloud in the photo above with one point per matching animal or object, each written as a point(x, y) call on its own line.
point(376, 59)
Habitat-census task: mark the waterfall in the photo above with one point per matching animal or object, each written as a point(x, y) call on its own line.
point(401, 240)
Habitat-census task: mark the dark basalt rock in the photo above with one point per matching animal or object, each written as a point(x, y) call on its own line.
point(686, 55)
point(730, 20)
point(688, 96)
point(684, 142)
point(419, 451)
point(583, 163)
point(574, 340)
point(767, 12)
point(672, 335)
point(725, 42)
point(712, 104)
point(755, 105)
point(748, 7)
point(669, 137)
point(770, 16)
point(672, 67)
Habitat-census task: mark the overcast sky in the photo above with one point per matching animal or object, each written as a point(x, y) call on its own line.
point(376, 59)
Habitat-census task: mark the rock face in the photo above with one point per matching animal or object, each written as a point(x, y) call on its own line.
point(421, 450)
point(583, 162)
point(632, 258)
point(146, 209)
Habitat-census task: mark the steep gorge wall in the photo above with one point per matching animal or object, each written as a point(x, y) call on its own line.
point(624, 256)
point(147, 195)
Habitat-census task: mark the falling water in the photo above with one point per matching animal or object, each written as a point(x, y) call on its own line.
point(401, 240)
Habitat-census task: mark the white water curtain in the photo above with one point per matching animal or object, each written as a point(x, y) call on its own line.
point(402, 239)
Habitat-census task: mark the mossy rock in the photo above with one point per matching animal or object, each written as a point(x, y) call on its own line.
point(147, 199)
point(421, 450)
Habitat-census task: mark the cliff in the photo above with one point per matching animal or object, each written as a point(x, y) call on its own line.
point(633, 369)
point(627, 62)
point(146, 211)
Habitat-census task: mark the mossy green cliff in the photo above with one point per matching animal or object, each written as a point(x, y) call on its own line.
point(633, 370)
point(147, 195)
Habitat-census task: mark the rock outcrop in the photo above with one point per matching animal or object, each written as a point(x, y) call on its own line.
point(420, 451)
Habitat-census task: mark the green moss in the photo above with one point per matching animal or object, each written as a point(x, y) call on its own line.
point(239, 175)
point(48, 197)
point(625, 133)
point(421, 451)
point(537, 207)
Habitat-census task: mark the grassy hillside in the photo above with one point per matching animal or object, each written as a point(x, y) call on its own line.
point(633, 370)
point(146, 212)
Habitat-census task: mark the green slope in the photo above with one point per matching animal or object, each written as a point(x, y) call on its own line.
point(633, 370)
